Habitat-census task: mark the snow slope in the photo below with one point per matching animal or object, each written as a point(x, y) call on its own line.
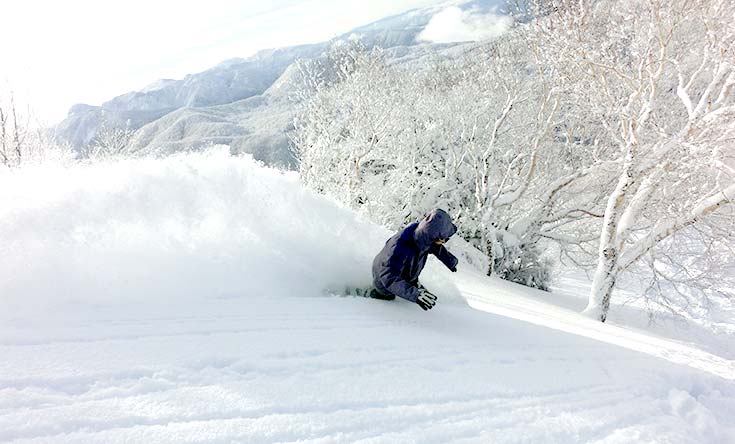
point(181, 300)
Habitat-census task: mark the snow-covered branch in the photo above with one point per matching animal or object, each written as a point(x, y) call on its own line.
point(666, 228)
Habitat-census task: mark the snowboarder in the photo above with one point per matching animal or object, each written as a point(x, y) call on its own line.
point(397, 267)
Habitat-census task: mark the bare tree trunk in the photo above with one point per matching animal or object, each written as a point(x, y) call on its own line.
point(607, 270)
point(602, 285)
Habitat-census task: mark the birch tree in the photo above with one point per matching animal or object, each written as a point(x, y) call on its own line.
point(659, 75)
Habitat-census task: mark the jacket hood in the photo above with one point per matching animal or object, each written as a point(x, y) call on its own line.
point(436, 225)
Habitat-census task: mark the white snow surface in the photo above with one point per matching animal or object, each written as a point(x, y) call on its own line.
point(183, 300)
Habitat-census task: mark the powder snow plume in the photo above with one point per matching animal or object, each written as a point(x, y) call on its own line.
point(184, 226)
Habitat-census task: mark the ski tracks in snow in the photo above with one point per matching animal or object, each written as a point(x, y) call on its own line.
point(341, 370)
point(525, 304)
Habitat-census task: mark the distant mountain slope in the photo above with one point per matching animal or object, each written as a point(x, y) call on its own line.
point(227, 82)
point(240, 102)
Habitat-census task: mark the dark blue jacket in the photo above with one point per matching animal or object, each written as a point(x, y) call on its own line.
point(397, 267)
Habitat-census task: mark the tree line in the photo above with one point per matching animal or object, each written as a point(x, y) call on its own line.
point(600, 134)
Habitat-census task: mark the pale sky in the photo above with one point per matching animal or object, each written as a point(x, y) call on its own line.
point(58, 53)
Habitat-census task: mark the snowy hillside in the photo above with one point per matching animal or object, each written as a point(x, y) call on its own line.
point(183, 300)
point(227, 82)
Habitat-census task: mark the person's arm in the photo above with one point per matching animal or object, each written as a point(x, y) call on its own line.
point(445, 257)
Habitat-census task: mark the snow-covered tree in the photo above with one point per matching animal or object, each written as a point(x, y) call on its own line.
point(22, 142)
point(658, 76)
point(110, 141)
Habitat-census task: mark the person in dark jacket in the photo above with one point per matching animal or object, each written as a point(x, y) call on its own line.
point(397, 267)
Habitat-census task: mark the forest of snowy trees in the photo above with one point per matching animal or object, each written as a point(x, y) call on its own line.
point(600, 135)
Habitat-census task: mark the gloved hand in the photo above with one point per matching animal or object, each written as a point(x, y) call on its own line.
point(426, 300)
